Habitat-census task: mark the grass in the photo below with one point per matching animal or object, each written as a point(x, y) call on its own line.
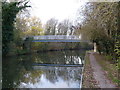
point(88, 79)
point(110, 70)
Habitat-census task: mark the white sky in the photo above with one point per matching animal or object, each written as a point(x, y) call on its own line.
point(59, 9)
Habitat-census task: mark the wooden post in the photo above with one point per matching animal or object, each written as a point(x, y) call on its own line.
point(95, 47)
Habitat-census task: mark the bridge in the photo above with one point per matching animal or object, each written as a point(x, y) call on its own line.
point(57, 38)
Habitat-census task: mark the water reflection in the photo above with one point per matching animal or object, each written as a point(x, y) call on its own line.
point(60, 57)
point(55, 77)
point(60, 83)
point(20, 72)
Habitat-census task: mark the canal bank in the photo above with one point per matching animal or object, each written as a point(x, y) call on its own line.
point(95, 75)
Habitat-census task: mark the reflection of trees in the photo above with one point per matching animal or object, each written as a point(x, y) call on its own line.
point(11, 72)
point(66, 73)
point(31, 76)
point(18, 69)
point(59, 57)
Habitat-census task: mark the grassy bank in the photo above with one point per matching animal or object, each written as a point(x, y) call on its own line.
point(88, 79)
point(109, 68)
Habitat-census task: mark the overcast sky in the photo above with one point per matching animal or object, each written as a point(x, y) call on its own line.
point(59, 9)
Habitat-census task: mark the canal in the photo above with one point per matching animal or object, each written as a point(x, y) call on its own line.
point(27, 71)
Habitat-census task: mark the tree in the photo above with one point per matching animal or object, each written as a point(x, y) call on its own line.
point(50, 27)
point(99, 27)
point(63, 28)
point(34, 27)
point(117, 44)
point(9, 11)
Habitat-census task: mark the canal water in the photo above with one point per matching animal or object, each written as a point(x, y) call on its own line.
point(27, 71)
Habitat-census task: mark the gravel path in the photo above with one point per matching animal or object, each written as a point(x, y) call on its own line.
point(98, 74)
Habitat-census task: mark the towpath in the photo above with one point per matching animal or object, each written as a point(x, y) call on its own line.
point(98, 73)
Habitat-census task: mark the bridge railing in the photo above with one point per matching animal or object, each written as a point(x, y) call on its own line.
point(58, 37)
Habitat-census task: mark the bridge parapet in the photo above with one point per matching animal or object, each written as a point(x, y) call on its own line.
point(56, 37)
